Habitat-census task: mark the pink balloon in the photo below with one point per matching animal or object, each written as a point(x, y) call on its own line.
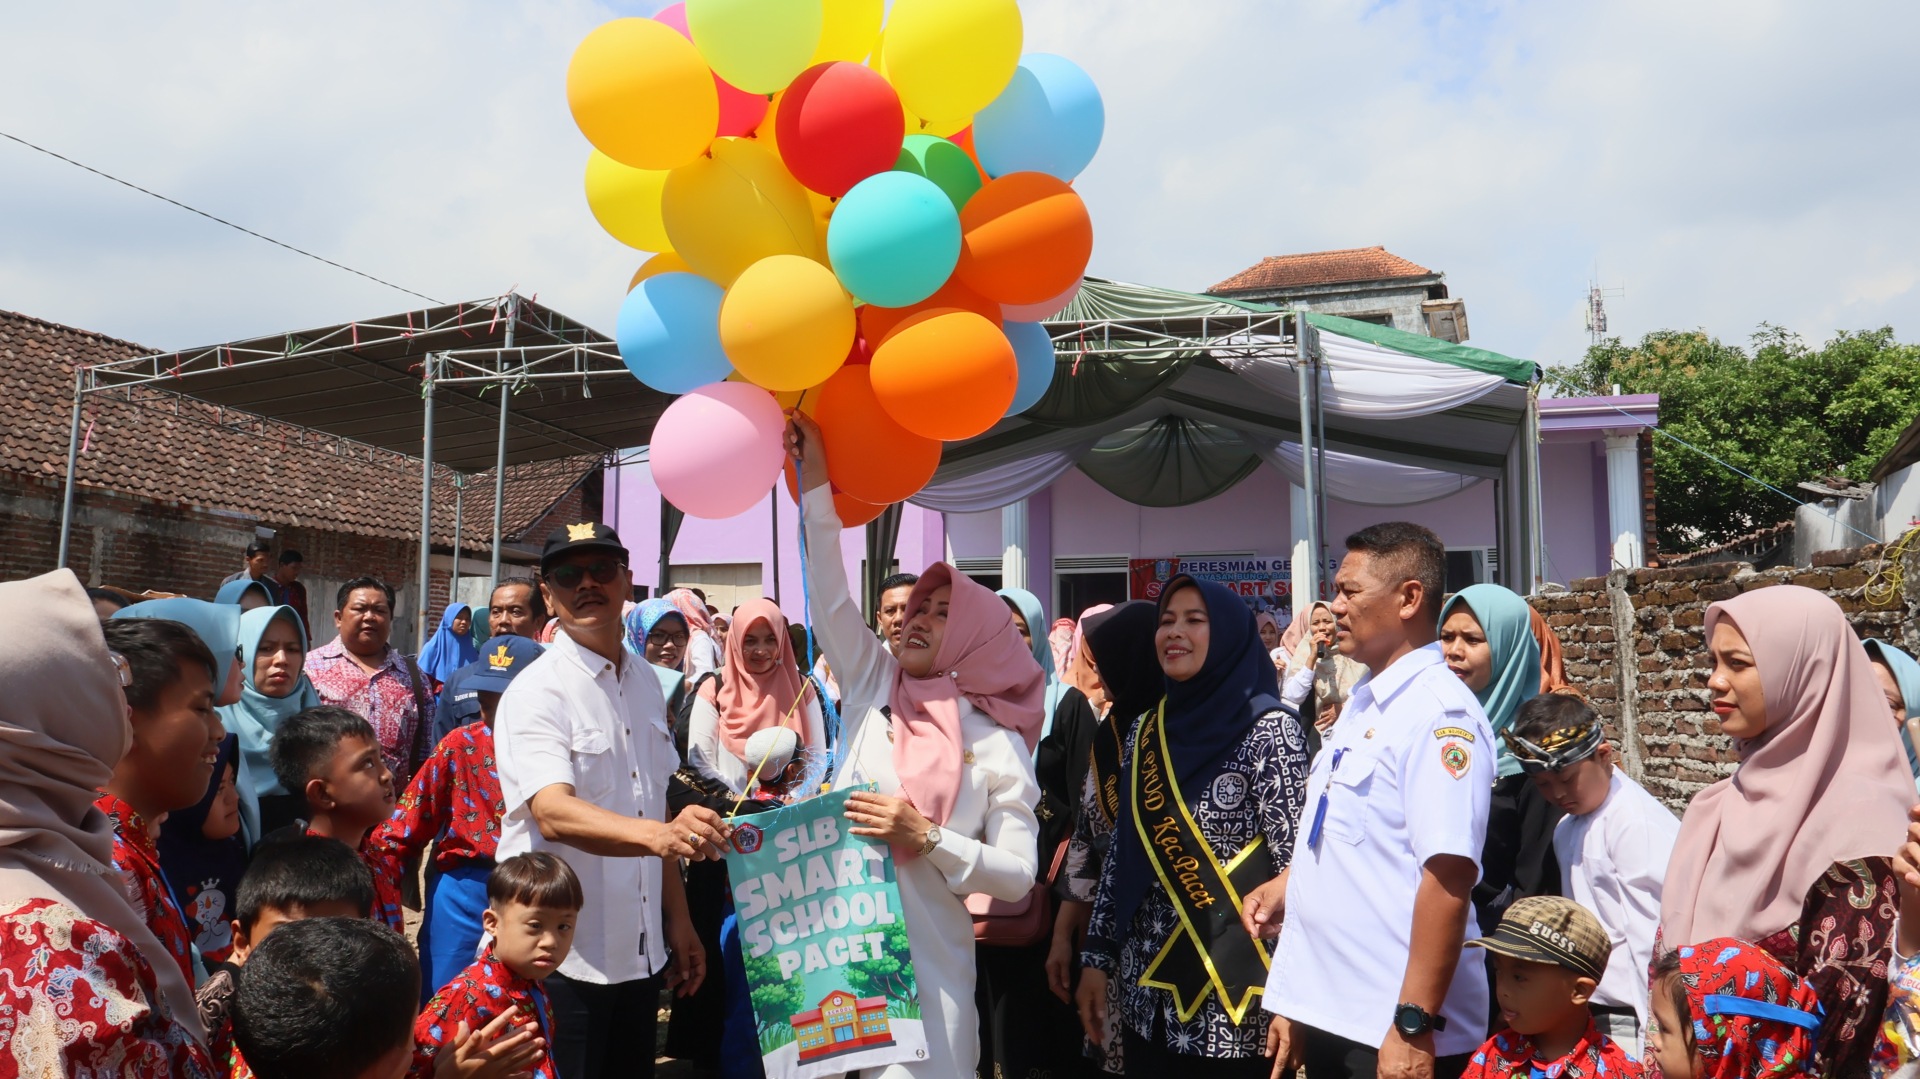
point(717, 451)
point(740, 112)
point(1040, 312)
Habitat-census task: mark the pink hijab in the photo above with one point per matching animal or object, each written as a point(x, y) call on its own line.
point(1080, 673)
point(747, 702)
point(981, 658)
point(1826, 782)
point(690, 608)
point(1060, 639)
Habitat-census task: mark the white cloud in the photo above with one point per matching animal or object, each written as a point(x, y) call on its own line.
point(1725, 162)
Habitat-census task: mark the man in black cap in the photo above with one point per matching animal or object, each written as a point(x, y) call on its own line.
point(585, 753)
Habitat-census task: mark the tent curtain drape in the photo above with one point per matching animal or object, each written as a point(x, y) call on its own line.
point(999, 486)
point(1172, 461)
point(1363, 481)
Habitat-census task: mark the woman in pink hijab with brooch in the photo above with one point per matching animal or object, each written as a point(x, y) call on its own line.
point(760, 686)
point(1793, 851)
point(947, 733)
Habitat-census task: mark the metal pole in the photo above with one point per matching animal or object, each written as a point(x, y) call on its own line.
point(73, 463)
point(1303, 366)
point(459, 493)
point(426, 501)
point(500, 447)
point(773, 503)
point(1319, 469)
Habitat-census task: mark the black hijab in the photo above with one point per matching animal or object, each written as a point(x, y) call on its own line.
point(1122, 642)
point(204, 874)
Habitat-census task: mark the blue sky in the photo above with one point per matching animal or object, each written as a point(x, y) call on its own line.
point(1725, 163)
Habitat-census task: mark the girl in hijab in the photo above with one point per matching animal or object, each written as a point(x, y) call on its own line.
point(1486, 634)
point(1791, 852)
point(245, 593)
point(1222, 769)
point(1553, 665)
point(1059, 640)
point(1899, 678)
point(657, 633)
point(64, 915)
point(946, 732)
point(1026, 616)
point(451, 647)
point(273, 686)
point(759, 687)
point(703, 654)
point(204, 854)
point(1270, 640)
point(1321, 677)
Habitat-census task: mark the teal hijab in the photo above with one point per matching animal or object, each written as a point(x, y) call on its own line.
point(1028, 605)
point(257, 716)
point(1906, 673)
point(1508, 623)
point(233, 590)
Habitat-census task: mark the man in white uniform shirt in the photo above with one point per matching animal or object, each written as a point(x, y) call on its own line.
point(1369, 976)
point(584, 755)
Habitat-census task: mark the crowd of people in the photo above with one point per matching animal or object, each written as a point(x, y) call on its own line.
point(1166, 837)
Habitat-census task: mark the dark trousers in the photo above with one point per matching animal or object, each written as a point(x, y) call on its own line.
point(1329, 1056)
point(1148, 1059)
point(604, 1031)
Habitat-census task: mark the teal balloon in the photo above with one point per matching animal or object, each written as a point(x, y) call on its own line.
point(941, 161)
point(894, 239)
point(1049, 119)
point(1033, 352)
point(669, 333)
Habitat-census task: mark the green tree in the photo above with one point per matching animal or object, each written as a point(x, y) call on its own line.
point(890, 973)
point(774, 1000)
point(1779, 410)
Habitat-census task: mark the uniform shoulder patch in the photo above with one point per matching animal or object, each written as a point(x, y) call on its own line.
point(1444, 733)
point(1455, 757)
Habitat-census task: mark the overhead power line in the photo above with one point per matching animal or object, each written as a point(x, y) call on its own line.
point(218, 219)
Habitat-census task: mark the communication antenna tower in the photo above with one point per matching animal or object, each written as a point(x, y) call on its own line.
point(1597, 310)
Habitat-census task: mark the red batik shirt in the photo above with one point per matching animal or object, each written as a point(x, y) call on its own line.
point(1595, 1056)
point(77, 998)
point(384, 698)
point(137, 858)
point(476, 997)
point(454, 802)
point(387, 871)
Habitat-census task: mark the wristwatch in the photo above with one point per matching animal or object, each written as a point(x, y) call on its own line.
point(933, 839)
point(1411, 1020)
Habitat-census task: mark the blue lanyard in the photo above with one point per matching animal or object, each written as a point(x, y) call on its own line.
point(1320, 810)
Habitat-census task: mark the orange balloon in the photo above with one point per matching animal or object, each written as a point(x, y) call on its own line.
point(879, 323)
point(851, 511)
point(664, 262)
point(946, 374)
point(1026, 238)
point(870, 456)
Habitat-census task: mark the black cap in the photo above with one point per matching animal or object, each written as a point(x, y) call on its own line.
point(585, 536)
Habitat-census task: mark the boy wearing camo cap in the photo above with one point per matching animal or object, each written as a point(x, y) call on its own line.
point(1548, 954)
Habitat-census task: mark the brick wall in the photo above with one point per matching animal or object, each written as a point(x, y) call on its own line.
point(1635, 645)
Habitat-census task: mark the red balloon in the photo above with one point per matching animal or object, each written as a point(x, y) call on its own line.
point(838, 124)
point(740, 112)
point(879, 323)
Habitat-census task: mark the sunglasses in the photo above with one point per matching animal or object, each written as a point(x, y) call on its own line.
point(571, 574)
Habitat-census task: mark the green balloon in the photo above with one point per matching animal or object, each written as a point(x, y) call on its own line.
point(946, 164)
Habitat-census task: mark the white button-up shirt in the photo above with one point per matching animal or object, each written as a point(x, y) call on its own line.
point(1613, 862)
point(574, 717)
point(1404, 776)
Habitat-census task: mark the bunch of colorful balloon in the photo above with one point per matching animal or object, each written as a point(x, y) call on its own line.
point(861, 221)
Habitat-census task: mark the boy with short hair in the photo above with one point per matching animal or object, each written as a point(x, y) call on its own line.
point(290, 879)
point(328, 998)
point(1613, 846)
point(331, 758)
point(454, 802)
point(533, 900)
point(169, 682)
point(1548, 954)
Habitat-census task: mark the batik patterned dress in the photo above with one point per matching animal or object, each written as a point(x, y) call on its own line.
point(137, 857)
point(454, 802)
point(1842, 946)
point(476, 997)
point(1511, 1056)
point(387, 872)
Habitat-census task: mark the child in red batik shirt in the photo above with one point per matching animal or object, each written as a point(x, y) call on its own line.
point(1726, 1009)
point(1549, 954)
point(532, 902)
point(330, 757)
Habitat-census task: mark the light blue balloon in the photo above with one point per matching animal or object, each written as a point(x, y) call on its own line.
point(1049, 119)
point(669, 333)
point(1033, 350)
point(894, 239)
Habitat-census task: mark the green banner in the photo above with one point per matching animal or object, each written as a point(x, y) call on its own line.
point(828, 959)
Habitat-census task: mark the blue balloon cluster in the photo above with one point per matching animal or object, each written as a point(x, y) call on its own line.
point(669, 333)
point(1049, 119)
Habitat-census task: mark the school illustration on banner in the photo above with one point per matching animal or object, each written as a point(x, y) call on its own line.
point(828, 960)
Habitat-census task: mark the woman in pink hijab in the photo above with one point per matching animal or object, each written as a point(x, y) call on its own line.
point(946, 732)
point(1060, 639)
point(703, 652)
point(1793, 851)
point(760, 687)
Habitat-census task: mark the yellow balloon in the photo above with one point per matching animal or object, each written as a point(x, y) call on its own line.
point(942, 128)
point(849, 30)
point(786, 323)
point(950, 58)
point(641, 94)
point(757, 45)
point(729, 210)
point(664, 262)
point(626, 202)
point(787, 398)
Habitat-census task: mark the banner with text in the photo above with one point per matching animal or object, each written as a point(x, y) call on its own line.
point(828, 963)
point(1265, 583)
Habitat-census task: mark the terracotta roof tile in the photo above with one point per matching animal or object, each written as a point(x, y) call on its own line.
point(170, 448)
point(1322, 268)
